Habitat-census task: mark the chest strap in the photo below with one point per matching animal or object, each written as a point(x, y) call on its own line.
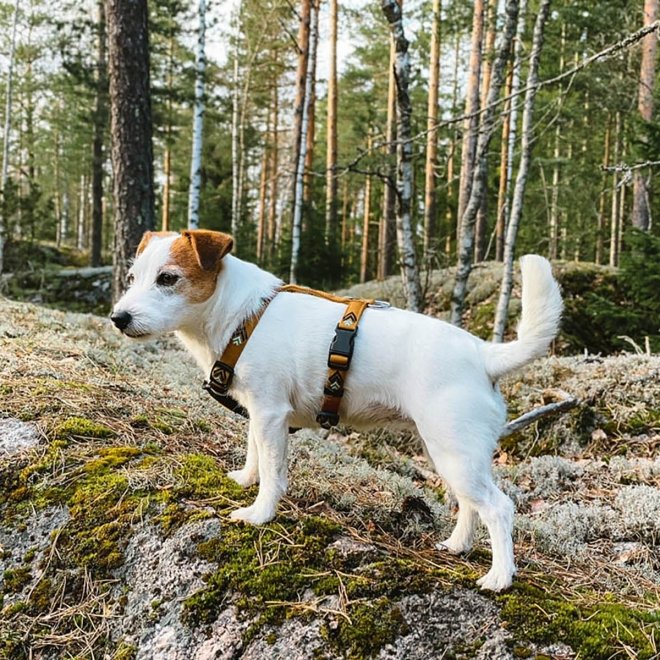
point(339, 356)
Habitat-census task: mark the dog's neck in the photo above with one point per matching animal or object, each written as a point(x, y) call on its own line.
point(240, 292)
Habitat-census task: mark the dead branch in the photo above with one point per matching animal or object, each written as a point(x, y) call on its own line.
point(566, 402)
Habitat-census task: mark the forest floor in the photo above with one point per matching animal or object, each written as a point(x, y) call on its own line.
point(116, 543)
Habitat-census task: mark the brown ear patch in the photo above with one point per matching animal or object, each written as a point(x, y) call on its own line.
point(198, 253)
point(148, 235)
point(209, 247)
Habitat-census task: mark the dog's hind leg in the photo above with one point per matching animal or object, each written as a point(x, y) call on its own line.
point(270, 431)
point(249, 474)
point(464, 462)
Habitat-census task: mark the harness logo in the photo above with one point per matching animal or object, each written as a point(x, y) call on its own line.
point(335, 382)
point(239, 336)
point(349, 319)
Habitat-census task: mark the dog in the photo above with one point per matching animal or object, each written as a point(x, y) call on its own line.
point(407, 368)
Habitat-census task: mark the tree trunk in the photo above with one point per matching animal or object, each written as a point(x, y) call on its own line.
point(300, 106)
point(331, 144)
point(451, 223)
point(7, 135)
point(300, 168)
point(263, 186)
point(502, 310)
point(641, 212)
point(132, 151)
point(502, 192)
point(167, 155)
point(198, 121)
point(430, 238)
point(274, 179)
point(477, 190)
point(364, 257)
point(404, 230)
point(311, 112)
point(614, 218)
point(600, 237)
point(100, 123)
point(388, 217)
point(512, 121)
point(471, 122)
point(235, 163)
point(482, 214)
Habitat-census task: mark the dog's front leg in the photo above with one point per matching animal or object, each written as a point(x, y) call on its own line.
point(249, 475)
point(270, 432)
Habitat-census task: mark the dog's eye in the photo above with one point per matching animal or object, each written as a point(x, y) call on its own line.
point(167, 279)
point(130, 279)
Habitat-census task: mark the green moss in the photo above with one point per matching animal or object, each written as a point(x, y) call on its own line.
point(598, 632)
point(14, 579)
point(41, 596)
point(79, 428)
point(371, 626)
point(124, 652)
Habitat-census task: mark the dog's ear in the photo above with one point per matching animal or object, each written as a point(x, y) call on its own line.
point(209, 246)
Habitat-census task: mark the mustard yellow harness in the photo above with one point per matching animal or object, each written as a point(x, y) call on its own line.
point(339, 355)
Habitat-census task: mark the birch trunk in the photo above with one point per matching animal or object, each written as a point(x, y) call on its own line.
point(299, 105)
point(482, 213)
point(167, 155)
point(451, 223)
point(235, 201)
point(273, 233)
point(471, 122)
point(300, 169)
point(404, 230)
point(500, 225)
point(198, 120)
point(477, 190)
point(641, 213)
point(261, 214)
point(331, 144)
point(502, 310)
point(100, 122)
point(432, 137)
point(388, 217)
point(7, 133)
point(311, 113)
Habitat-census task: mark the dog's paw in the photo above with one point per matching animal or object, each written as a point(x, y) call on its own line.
point(453, 547)
point(244, 477)
point(252, 514)
point(495, 581)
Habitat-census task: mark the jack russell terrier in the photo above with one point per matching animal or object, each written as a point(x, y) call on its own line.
point(407, 368)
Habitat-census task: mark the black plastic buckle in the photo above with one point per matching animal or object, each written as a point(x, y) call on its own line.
point(220, 379)
point(326, 420)
point(342, 344)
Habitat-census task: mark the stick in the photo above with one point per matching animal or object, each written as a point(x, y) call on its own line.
point(567, 403)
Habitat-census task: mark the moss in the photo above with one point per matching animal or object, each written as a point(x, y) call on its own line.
point(14, 579)
point(599, 632)
point(41, 596)
point(371, 626)
point(124, 652)
point(79, 428)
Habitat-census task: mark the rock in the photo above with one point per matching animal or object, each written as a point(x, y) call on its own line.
point(17, 436)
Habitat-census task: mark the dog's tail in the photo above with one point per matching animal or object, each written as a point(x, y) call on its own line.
point(541, 313)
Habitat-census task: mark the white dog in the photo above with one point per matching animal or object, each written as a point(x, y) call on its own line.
point(406, 368)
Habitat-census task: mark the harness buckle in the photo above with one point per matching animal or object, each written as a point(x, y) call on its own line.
point(326, 420)
point(220, 378)
point(379, 304)
point(341, 349)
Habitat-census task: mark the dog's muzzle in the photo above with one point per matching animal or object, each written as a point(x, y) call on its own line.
point(121, 319)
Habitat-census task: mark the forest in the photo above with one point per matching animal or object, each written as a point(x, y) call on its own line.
point(403, 150)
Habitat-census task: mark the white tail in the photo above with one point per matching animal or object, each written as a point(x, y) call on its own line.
point(541, 313)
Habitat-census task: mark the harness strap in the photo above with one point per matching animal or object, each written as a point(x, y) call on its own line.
point(339, 357)
point(339, 360)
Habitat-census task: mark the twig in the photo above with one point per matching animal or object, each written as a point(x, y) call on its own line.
point(542, 411)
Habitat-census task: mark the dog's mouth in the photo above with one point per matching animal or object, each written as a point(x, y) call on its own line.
point(136, 335)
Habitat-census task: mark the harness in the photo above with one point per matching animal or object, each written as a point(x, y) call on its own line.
point(339, 355)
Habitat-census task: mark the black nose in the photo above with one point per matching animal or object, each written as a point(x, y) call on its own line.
point(121, 319)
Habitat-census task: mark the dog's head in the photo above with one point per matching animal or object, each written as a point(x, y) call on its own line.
point(172, 275)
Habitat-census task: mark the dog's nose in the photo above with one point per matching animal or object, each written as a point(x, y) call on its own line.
point(121, 319)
